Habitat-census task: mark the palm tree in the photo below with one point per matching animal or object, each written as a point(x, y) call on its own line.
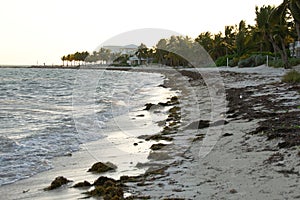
point(292, 6)
point(228, 40)
point(262, 28)
point(279, 31)
point(63, 59)
point(242, 39)
point(142, 52)
point(205, 40)
point(218, 47)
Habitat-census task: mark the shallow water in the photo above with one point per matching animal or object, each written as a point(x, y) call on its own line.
point(47, 113)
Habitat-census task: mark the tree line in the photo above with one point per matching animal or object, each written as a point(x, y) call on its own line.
point(275, 29)
point(72, 59)
point(241, 44)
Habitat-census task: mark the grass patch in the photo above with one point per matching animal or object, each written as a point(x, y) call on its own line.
point(291, 77)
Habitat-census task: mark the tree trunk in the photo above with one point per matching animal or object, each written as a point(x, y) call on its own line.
point(282, 51)
point(284, 54)
point(298, 30)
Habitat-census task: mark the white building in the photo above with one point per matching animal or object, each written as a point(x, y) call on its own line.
point(134, 60)
point(127, 49)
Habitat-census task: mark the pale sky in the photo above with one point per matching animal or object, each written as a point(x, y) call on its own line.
point(44, 30)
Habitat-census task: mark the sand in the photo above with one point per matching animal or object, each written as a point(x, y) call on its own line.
point(217, 162)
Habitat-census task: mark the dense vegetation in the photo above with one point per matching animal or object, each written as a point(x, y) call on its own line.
point(243, 45)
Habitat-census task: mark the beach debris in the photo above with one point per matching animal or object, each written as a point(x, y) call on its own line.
point(174, 109)
point(276, 157)
point(233, 191)
point(157, 137)
point(193, 76)
point(101, 180)
point(100, 167)
point(199, 137)
point(167, 130)
point(163, 86)
point(177, 190)
point(107, 188)
point(227, 134)
point(201, 124)
point(173, 101)
point(148, 106)
point(287, 172)
point(137, 197)
point(158, 146)
point(141, 115)
point(172, 121)
point(58, 182)
point(132, 179)
point(156, 171)
point(82, 184)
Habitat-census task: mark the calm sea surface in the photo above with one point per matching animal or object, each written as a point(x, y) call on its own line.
point(45, 113)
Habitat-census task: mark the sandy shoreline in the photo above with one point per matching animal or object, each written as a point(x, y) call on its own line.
point(241, 165)
point(236, 167)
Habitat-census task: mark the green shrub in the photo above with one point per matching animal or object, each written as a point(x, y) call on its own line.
point(252, 61)
point(294, 61)
point(279, 63)
point(291, 77)
point(260, 60)
point(248, 62)
point(222, 61)
point(276, 63)
point(233, 62)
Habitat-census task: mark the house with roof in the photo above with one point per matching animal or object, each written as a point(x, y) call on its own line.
point(134, 60)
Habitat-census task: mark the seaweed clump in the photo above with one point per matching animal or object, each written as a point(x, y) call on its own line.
point(107, 188)
point(100, 167)
point(158, 146)
point(58, 182)
point(82, 184)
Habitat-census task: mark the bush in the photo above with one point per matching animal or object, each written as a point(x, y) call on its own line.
point(260, 60)
point(276, 63)
point(252, 61)
point(222, 61)
point(279, 63)
point(243, 61)
point(248, 62)
point(233, 62)
point(294, 61)
point(291, 77)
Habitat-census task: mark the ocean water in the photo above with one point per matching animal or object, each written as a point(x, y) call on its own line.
point(46, 113)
